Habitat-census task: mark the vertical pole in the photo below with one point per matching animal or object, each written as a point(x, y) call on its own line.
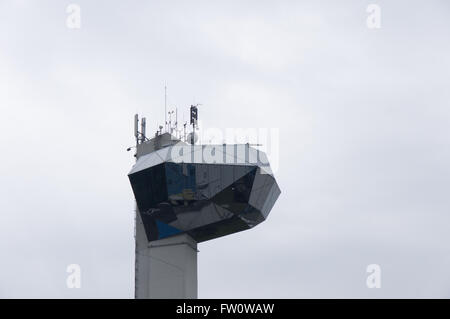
point(136, 128)
point(143, 130)
point(165, 107)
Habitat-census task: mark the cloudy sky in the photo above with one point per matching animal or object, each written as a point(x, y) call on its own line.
point(363, 116)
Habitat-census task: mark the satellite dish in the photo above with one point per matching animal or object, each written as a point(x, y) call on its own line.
point(189, 138)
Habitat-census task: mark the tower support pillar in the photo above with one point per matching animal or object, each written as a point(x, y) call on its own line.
point(165, 268)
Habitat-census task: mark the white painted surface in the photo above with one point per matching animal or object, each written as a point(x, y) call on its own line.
point(166, 268)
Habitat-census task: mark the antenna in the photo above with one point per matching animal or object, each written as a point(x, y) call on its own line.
point(176, 122)
point(165, 107)
point(143, 124)
point(194, 118)
point(136, 128)
point(170, 121)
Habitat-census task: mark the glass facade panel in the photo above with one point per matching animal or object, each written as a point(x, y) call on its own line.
point(204, 200)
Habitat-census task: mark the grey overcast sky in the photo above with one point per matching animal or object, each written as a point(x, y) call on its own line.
point(364, 120)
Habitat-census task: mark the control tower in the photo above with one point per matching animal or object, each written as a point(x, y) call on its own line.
point(186, 194)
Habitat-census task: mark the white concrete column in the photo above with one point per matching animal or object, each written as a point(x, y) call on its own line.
point(165, 268)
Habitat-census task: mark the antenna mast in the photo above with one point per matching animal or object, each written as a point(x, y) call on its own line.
point(194, 118)
point(176, 122)
point(165, 106)
point(136, 128)
point(143, 130)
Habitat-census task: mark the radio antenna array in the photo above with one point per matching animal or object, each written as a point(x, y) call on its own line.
point(140, 135)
